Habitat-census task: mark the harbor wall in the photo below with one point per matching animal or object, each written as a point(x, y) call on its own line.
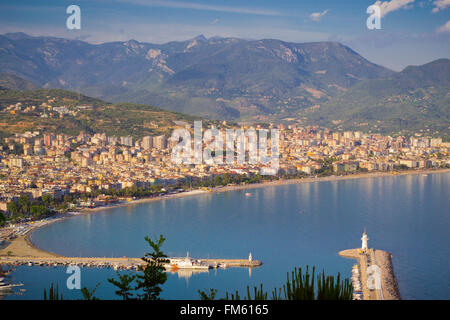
point(389, 286)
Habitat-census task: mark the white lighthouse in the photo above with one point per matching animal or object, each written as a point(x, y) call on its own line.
point(364, 240)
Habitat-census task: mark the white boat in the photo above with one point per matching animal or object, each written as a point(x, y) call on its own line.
point(186, 263)
point(4, 286)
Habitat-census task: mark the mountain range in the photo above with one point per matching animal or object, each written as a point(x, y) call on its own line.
point(417, 98)
point(231, 78)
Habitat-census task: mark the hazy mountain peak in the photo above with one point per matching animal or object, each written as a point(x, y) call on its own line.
point(17, 36)
point(200, 37)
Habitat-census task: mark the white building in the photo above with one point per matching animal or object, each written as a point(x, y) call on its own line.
point(364, 240)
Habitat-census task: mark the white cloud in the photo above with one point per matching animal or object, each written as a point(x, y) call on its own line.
point(445, 28)
point(393, 5)
point(316, 16)
point(440, 5)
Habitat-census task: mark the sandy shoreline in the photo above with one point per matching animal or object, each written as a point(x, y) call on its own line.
point(22, 246)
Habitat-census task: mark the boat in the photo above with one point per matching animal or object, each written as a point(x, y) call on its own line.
point(187, 263)
point(4, 286)
point(248, 194)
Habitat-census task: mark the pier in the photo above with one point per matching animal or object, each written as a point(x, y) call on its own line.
point(118, 263)
point(382, 259)
point(374, 278)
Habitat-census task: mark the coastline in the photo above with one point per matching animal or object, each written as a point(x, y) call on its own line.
point(331, 178)
point(23, 246)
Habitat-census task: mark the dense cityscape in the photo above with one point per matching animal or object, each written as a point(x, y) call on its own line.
point(246, 152)
point(89, 170)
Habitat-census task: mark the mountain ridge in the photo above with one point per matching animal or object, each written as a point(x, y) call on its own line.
point(266, 80)
point(418, 97)
point(216, 77)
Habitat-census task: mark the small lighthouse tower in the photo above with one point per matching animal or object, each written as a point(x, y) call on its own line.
point(364, 240)
point(250, 257)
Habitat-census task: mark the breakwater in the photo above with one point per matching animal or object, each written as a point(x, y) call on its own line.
point(388, 287)
point(120, 263)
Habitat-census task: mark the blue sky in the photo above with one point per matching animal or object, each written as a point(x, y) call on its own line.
point(413, 31)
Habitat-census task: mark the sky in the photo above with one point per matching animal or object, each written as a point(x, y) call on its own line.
point(413, 32)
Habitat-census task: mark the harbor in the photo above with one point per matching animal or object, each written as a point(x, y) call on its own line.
point(128, 263)
point(17, 249)
point(373, 277)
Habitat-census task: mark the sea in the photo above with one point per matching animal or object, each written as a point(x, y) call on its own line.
point(285, 226)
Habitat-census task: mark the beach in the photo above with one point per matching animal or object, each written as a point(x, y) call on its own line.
point(21, 246)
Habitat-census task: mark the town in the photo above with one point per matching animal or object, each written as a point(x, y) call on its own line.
point(88, 170)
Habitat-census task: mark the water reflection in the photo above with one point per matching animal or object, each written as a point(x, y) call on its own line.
point(285, 226)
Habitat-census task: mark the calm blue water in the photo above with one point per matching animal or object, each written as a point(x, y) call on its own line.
point(284, 226)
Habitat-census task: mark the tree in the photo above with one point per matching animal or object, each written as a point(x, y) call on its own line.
point(2, 219)
point(299, 287)
point(150, 279)
point(211, 295)
point(53, 293)
point(39, 211)
point(89, 294)
point(24, 204)
point(153, 275)
point(123, 285)
point(47, 200)
point(13, 208)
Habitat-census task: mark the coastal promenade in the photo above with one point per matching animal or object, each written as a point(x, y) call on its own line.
point(382, 259)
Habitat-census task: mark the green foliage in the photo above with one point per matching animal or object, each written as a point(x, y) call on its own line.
point(13, 209)
point(211, 295)
point(53, 293)
point(150, 277)
point(153, 275)
point(121, 119)
point(329, 289)
point(89, 294)
point(39, 211)
point(128, 192)
point(300, 286)
point(123, 285)
point(2, 218)
point(24, 207)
